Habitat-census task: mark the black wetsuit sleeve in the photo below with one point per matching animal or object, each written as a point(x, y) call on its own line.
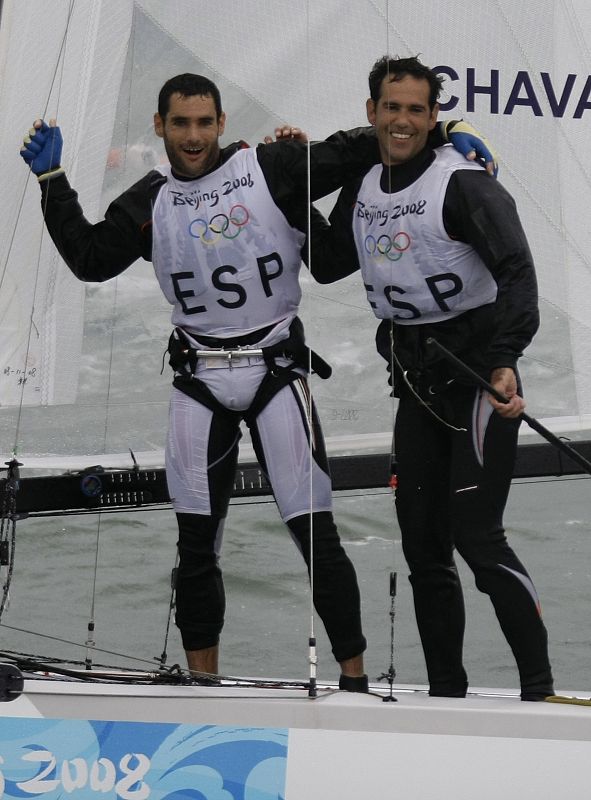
point(479, 211)
point(294, 179)
point(103, 250)
point(345, 156)
point(333, 249)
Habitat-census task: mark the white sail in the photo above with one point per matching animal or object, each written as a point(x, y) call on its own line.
point(91, 355)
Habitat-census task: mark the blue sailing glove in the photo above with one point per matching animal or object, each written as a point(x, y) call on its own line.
point(471, 144)
point(42, 150)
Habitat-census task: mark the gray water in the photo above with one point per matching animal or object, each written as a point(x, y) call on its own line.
point(268, 614)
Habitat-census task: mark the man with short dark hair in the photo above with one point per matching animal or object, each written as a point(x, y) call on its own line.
point(223, 228)
point(443, 254)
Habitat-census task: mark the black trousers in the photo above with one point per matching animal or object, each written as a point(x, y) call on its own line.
point(200, 587)
point(451, 494)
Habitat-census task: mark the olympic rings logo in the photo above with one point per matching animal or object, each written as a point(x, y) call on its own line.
point(228, 227)
point(392, 249)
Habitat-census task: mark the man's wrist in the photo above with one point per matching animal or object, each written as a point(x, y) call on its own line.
point(52, 173)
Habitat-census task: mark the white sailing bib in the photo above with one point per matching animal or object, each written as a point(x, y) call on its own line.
point(225, 256)
point(413, 272)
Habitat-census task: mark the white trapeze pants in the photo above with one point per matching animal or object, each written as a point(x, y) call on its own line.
point(287, 442)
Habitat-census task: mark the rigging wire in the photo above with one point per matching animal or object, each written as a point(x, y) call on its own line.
point(8, 512)
point(391, 672)
point(59, 67)
point(50, 668)
point(91, 624)
point(171, 606)
point(49, 664)
point(62, 640)
point(312, 654)
point(56, 84)
point(90, 642)
point(8, 517)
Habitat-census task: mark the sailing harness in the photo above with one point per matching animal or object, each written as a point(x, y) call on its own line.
point(237, 352)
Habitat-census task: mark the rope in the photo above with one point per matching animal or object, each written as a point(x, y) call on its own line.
point(174, 674)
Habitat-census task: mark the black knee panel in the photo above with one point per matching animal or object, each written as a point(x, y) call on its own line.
point(200, 596)
point(336, 593)
point(327, 544)
point(197, 539)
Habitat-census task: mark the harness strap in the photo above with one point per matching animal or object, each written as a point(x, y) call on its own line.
point(183, 354)
point(294, 347)
point(268, 388)
point(271, 384)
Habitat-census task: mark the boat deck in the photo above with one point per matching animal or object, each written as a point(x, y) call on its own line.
point(336, 745)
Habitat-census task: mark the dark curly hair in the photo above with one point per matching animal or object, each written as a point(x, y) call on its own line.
point(397, 68)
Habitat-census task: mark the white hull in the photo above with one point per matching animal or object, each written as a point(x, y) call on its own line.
point(337, 745)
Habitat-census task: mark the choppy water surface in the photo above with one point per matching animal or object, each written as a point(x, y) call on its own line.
point(268, 615)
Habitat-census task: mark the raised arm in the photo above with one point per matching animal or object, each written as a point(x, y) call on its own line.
point(92, 252)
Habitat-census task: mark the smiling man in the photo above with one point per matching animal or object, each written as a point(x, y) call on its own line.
point(191, 126)
point(403, 111)
point(223, 228)
point(443, 254)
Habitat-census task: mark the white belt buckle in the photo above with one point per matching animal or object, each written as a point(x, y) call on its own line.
point(217, 361)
